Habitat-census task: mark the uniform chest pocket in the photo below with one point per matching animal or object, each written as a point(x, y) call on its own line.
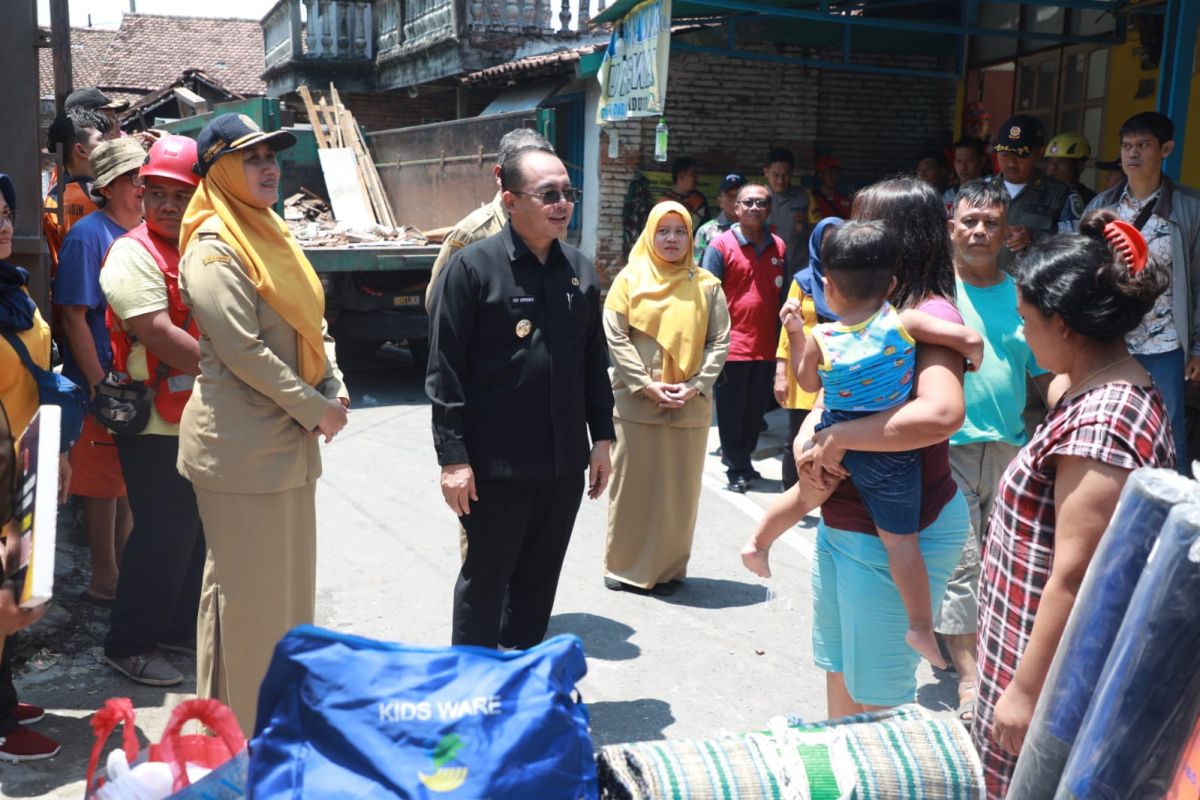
point(510, 321)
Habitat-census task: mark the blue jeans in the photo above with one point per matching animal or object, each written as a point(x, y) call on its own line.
point(1166, 369)
point(889, 484)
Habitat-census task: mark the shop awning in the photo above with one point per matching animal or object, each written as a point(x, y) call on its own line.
point(940, 28)
point(957, 18)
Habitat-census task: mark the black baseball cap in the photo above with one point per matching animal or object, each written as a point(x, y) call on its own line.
point(732, 181)
point(1109, 166)
point(1020, 135)
point(92, 98)
point(229, 133)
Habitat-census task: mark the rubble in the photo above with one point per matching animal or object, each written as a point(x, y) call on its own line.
point(311, 221)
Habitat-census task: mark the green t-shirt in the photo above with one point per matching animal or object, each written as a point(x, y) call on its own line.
point(995, 393)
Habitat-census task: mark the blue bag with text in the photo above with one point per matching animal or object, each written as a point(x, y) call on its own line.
point(345, 716)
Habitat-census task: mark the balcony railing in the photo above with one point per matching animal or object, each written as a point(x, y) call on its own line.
point(326, 30)
point(364, 30)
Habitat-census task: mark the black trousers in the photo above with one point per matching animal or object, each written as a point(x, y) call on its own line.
point(8, 692)
point(796, 417)
point(158, 591)
point(742, 394)
point(517, 537)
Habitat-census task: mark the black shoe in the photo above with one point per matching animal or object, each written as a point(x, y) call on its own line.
point(739, 485)
point(621, 586)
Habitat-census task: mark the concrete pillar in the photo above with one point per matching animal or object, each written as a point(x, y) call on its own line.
point(19, 146)
point(1175, 72)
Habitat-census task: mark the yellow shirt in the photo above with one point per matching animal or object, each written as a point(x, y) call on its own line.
point(18, 390)
point(134, 285)
point(796, 398)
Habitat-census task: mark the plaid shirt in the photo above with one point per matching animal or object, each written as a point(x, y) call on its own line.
point(1118, 424)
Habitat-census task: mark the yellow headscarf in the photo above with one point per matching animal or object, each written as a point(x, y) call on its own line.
point(270, 255)
point(666, 300)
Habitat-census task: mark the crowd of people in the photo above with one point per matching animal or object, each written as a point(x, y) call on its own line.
point(989, 360)
point(195, 324)
point(970, 373)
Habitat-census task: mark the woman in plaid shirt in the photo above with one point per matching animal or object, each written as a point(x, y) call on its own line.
point(1078, 296)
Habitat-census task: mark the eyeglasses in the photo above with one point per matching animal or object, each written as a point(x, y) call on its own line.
point(755, 202)
point(137, 180)
point(554, 197)
point(8, 218)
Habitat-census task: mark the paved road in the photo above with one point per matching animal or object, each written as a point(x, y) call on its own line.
point(724, 654)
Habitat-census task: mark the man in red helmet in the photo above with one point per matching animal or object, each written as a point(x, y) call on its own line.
point(824, 200)
point(156, 354)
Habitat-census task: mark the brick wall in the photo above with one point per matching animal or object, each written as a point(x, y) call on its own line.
point(728, 112)
point(880, 124)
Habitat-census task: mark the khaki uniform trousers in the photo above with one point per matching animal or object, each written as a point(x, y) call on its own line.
point(260, 580)
point(976, 469)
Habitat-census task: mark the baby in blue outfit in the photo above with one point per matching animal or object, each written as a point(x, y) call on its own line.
point(865, 364)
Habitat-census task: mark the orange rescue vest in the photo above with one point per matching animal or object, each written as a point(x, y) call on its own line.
point(171, 388)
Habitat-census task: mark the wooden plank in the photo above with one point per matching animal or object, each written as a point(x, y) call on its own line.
point(336, 120)
point(316, 121)
point(346, 196)
point(364, 179)
point(334, 134)
point(366, 164)
point(383, 207)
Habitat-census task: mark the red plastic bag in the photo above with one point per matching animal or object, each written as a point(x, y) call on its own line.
point(175, 748)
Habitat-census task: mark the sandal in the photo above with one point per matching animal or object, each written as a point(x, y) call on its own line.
point(966, 710)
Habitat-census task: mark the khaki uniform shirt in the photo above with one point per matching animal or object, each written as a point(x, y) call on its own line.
point(637, 360)
point(481, 223)
point(245, 428)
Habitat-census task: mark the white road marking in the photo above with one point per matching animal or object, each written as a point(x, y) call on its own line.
point(797, 538)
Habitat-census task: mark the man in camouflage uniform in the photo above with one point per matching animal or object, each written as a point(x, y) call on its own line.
point(1039, 206)
point(714, 227)
point(486, 220)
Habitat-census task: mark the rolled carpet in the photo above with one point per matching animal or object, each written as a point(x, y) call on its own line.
point(1147, 499)
point(1148, 696)
point(896, 754)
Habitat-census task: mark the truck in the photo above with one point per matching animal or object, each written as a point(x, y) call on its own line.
point(433, 176)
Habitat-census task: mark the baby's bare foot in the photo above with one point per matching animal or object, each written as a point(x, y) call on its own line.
point(755, 559)
point(925, 643)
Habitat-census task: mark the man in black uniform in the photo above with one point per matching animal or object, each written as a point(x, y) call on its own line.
point(1040, 206)
point(518, 378)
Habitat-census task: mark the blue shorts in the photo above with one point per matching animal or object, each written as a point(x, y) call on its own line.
point(858, 617)
point(888, 483)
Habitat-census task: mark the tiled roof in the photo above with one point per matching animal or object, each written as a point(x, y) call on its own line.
point(89, 52)
point(149, 50)
point(531, 66)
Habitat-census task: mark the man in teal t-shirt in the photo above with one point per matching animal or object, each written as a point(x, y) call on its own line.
point(994, 428)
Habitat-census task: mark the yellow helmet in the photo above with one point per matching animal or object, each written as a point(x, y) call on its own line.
point(1069, 145)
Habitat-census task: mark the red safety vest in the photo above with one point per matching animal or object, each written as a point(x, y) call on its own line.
point(171, 388)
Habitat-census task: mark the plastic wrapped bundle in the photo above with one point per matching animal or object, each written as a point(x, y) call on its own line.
point(1148, 696)
point(1148, 497)
point(897, 754)
point(1187, 777)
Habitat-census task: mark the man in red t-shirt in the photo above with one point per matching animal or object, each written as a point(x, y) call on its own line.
point(749, 260)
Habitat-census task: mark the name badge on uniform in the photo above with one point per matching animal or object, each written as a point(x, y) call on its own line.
point(522, 301)
point(524, 328)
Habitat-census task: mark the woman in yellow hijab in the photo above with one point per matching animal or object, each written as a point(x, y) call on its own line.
point(268, 388)
point(667, 325)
